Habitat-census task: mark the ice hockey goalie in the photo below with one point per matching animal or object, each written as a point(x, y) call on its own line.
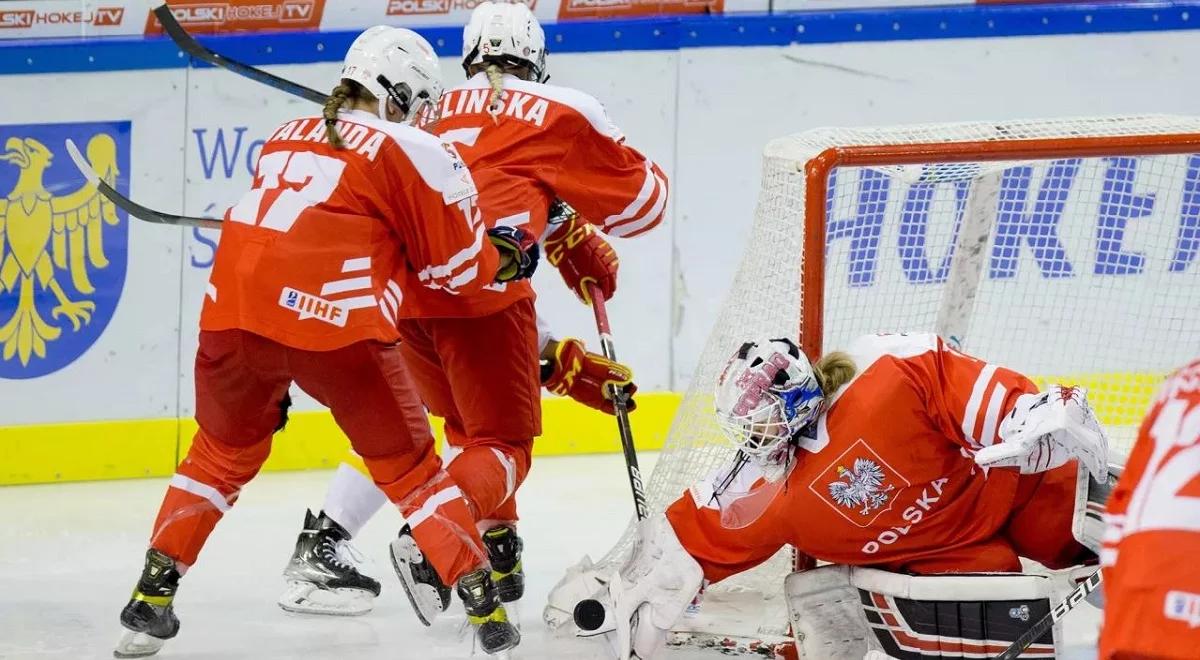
point(921, 467)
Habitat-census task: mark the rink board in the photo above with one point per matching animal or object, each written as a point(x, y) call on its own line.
point(708, 94)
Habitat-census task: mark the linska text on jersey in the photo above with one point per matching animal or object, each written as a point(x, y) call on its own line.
point(524, 107)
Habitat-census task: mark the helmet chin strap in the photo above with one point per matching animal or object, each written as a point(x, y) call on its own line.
point(382, 112)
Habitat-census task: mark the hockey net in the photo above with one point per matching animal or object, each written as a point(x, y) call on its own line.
point(1066, 249)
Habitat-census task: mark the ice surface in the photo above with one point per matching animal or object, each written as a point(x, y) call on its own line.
point(71, 554)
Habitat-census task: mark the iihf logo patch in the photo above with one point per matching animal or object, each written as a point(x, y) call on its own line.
point(1021, 613)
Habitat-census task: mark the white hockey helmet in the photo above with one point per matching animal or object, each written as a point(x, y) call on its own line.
point(505, 33)
point(398, 65)
point(766, 395)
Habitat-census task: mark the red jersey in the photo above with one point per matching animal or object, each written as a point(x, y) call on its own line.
point(545, 142)
point(327, 244)
point(889, 479)
point(1152, 538)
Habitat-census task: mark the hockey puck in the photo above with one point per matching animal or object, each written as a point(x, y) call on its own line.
point(589, 614)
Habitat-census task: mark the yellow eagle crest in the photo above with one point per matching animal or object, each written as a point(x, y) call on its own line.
point(44, 236)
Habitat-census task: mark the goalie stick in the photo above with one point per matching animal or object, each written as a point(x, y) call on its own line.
point(1054, 616)
point(620, 411)
point(188, 44)
point(128, 205)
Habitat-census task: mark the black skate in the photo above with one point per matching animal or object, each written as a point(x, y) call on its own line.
point(504, 552)
point(321, 577)
point(149, 618)
point(486, 613)
point(426, 591)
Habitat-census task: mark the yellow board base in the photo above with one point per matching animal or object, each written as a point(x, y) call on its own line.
point(88, 451)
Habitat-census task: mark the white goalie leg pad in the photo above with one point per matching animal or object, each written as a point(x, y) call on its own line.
point(845, 613)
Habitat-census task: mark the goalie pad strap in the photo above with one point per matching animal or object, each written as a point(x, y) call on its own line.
point(842, 613)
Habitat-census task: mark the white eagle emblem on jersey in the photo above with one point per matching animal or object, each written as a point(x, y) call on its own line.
point(863, 486)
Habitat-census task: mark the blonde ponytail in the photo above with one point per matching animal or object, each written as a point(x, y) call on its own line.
point(833, 371)
point(337, 98)
point(495, 76)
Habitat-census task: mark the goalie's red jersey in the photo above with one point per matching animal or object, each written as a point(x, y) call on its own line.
point(1152, 538)
point(320, 252)
point(889, 479)
point(545, 142)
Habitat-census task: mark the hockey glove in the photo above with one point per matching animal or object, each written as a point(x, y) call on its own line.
point(580, 254)
point(573, 371)
point(649, 594)
point(521, 250)
point(1046, 430)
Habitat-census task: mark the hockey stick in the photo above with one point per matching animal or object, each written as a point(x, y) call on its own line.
point(1054, 616)
point(619, 407)
point(128, 205)
point(188, 44)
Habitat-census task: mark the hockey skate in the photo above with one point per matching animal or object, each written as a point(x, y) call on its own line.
point(504, 552)
point(426, 591)
point(321, 575)
point(486, 613)
point(149, 618)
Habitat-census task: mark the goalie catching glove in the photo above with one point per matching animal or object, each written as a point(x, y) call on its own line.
point(643, 600)
point(581, 256)
point(518, 253)
point(571, 370)
point(1046, 430)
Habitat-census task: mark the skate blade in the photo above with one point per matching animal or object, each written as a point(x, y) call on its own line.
point(425, 600)
point(308, 598)
point(513, 609)
point(137, 645)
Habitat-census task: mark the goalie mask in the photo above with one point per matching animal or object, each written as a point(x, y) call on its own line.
point(766, 396)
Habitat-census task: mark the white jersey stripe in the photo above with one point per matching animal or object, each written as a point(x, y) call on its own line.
point(643, 196)
point(971, 414)
point(387, 313)
point(352, 265)
point(395, 289)
point(342, 286)
point(461, 257)
point(992, 418)
point(649, 218)
point(430, 506)
point(194, 487)
point(463, 278)
point(391, 301)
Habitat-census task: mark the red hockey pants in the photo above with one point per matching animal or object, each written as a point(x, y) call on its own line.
point(481, 375)
point(242, 381)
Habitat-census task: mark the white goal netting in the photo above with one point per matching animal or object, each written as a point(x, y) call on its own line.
point(1067, 268)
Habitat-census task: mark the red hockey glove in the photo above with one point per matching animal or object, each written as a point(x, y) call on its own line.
point(521, 249)
point(585, 377)
point(580, 254)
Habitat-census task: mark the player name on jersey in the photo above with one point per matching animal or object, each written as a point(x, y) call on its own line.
point(364, 140)
point(518, 105)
